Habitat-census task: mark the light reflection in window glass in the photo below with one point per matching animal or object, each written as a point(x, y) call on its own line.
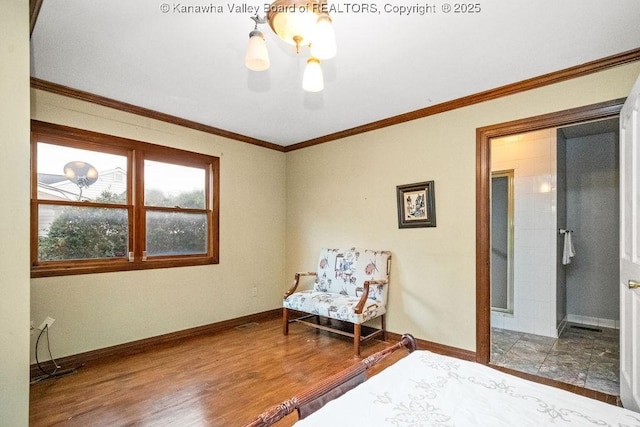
point(66, 173)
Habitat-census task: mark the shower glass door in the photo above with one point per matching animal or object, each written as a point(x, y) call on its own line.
point(502, 194)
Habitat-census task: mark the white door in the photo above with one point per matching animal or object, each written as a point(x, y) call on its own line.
point(630, 251)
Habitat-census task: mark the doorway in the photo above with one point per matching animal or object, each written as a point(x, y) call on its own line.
point(563, 323)
point(600, 111)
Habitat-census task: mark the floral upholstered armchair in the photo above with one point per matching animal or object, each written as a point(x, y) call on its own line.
point(350, 286)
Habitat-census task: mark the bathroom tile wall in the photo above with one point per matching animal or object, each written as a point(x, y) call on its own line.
point(532, 156)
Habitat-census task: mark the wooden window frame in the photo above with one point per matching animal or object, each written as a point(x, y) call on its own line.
point(136, 152)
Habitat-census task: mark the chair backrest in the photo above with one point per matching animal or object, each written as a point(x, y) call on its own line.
point(344, 271)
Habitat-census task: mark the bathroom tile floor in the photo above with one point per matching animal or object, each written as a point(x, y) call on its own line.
point(586, 356)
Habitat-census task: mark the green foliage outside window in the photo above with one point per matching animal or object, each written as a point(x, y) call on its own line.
point(94, 232)
point(80, 232)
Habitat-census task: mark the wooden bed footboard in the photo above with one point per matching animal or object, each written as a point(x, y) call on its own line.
point(315, 397)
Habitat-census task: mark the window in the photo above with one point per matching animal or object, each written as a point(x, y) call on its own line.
point(102, 203)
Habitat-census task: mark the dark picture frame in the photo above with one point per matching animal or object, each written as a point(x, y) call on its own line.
point(416, 205)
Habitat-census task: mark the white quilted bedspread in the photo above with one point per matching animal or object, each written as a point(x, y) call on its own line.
point(427, 389)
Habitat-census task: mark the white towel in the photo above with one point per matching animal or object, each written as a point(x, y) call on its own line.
point(569, 251)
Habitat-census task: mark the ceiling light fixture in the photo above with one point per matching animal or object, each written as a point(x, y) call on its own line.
point(300, 23)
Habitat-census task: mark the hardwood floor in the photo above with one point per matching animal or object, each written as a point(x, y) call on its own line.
point(218, 378)
point(222, 379)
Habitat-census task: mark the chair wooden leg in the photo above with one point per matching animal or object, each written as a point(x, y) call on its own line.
point(383, 325)
point(285, 321)
point(356, 338)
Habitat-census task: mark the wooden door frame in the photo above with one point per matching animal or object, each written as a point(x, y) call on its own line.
point(603, 110)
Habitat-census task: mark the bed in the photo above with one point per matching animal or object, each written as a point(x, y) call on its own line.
point(428, 389)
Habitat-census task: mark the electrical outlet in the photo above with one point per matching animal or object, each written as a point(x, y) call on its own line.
point(254, 292)
point(46, 322)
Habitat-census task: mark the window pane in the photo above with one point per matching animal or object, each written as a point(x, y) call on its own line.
point(169, 185)
point(176, 233)
point(66, 173)
point(71, 232)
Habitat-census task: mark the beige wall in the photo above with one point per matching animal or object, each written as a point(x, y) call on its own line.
point(339, 193)
point(14, 215)
point(343, 193)
point(100, 310)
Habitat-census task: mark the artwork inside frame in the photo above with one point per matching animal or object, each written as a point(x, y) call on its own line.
point(416, 205)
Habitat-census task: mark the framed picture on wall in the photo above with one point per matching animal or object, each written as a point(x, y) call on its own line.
point(416, 205)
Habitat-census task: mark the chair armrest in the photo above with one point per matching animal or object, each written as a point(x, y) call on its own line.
point(296, 280)
point(363, 299)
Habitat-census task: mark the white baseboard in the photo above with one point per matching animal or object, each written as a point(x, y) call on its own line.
point(593, 321)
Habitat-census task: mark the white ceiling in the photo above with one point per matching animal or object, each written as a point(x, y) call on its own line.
point(191, 65)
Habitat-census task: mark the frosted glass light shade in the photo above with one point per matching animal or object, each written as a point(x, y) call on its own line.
point(323, 45)
point(313, 81)
point(257, 56)
point(294, 21)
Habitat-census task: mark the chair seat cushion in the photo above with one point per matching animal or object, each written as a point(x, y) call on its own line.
point(335, 306)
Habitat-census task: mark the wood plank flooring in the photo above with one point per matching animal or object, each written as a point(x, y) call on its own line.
point(222, 379)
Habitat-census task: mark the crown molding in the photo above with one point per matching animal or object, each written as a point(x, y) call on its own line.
point(510, 89)
point(145, 112)
point(34, 11)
